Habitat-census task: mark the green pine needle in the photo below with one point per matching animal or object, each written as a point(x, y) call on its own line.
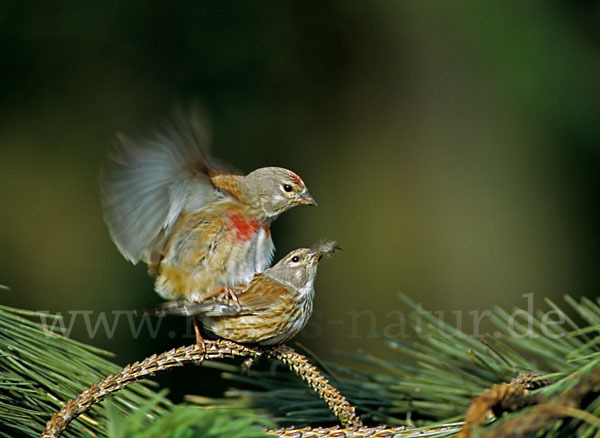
point(433, 378)
point(40, 369)
point(184, 421)
point(436, 376)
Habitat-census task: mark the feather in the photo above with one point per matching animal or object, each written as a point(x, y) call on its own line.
point(147, 184)
point(262, 294)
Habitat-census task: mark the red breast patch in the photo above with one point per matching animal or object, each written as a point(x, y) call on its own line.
point(245, 228)
point(267, 231)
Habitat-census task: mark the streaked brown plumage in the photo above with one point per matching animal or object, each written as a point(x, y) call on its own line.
point(272, 309)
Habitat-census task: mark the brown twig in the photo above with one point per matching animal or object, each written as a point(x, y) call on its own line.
point(501, 398)
point(309, 373)
point(196, 354)
point(569, 404)
point(509, 397)
point(358, 432)
point(537, 419)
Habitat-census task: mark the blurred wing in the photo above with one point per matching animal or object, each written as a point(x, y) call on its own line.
point(147, 184)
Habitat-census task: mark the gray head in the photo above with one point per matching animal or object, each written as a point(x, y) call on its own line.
point(273, 190)
point(298, 269)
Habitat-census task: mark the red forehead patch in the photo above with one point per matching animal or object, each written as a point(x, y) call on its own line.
point(296, 178)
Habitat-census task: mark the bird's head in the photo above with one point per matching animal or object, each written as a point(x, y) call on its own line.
point(298, 269)
point(274, 190)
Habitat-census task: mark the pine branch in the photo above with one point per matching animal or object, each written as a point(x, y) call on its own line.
point(501, 398)
point(197, 354)
point(39, 367)
point(548, 410)
point(299, 365)
point(438, 375)
point(361, 432)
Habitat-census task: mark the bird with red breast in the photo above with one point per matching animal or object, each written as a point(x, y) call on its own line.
point(200, 227)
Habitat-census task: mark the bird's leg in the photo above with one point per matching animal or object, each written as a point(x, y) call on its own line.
point(214, 293)
point(199, 338)
point(229, 293)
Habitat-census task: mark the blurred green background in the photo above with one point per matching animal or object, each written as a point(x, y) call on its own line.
point(453, 147)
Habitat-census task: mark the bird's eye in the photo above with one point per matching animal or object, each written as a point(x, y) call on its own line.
point(295, 259)
point(287, 187)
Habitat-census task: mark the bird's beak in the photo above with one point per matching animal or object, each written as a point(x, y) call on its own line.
point(307, 199)
point(317, 256)
point(323, 249)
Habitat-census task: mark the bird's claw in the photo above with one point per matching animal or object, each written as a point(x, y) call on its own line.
point(231, 295)
point(199, 339)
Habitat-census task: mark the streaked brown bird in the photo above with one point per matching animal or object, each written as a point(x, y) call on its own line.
point(197, 225)
point(272, 309)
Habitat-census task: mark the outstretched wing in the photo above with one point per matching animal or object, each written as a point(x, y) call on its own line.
point(148, 183)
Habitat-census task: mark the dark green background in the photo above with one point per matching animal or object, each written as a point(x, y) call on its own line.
point(453, 147)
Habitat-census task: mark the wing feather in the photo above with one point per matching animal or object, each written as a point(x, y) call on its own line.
point(187, 308)
point(147, 184)
point(261, 294)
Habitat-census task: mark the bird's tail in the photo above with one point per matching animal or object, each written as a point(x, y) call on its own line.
point(189, 308)
point(179, 307)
